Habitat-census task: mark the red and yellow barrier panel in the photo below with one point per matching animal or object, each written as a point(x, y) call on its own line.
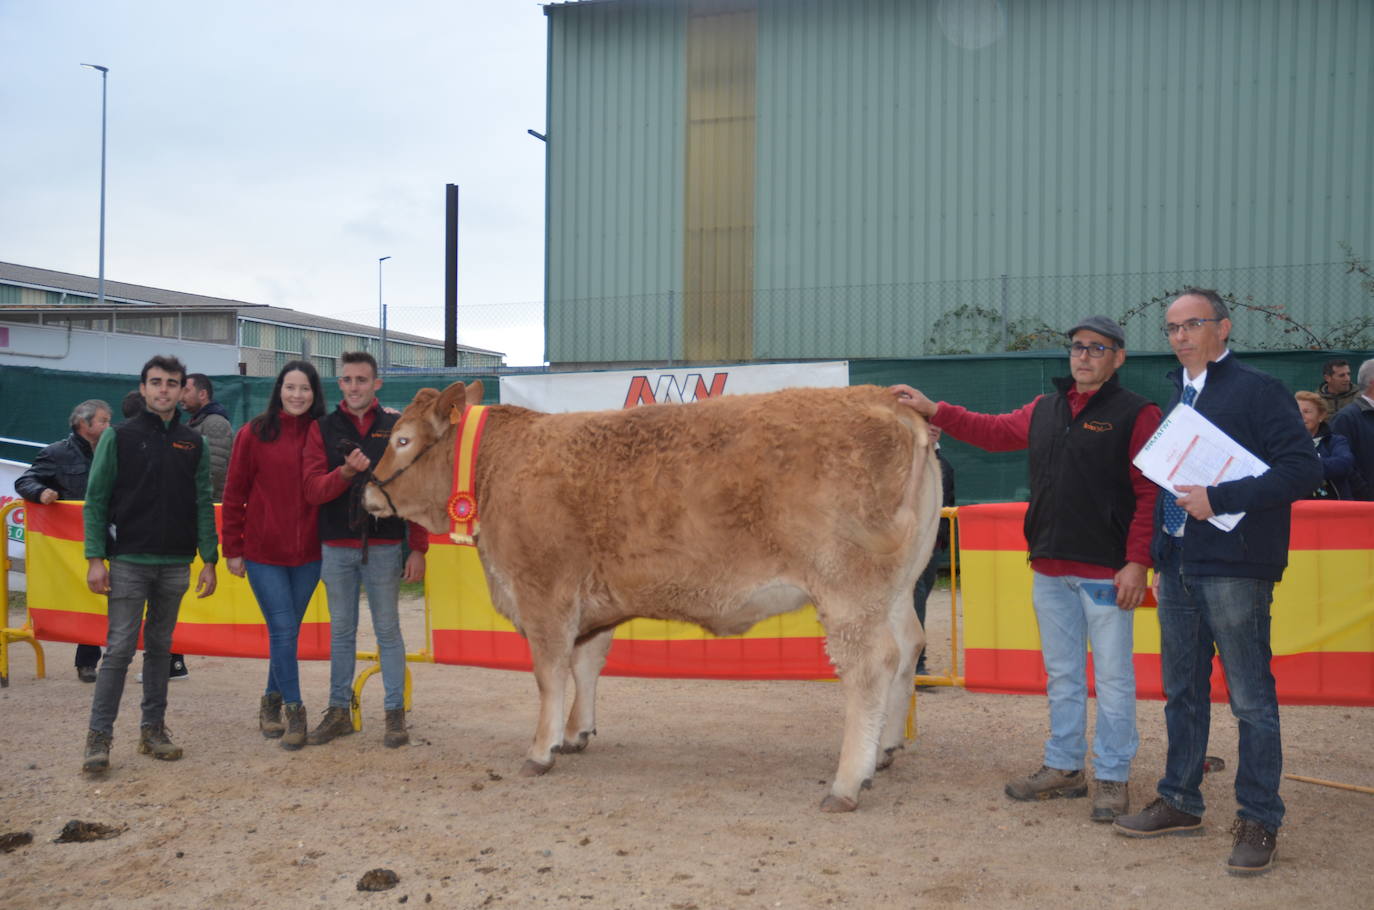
point(467, 630)
point(62, 608)
point(1323, 613)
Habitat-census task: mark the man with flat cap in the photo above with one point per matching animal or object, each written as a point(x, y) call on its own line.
point(1088, 529)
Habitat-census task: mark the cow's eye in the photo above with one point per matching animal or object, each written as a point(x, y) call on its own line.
point(402, 441)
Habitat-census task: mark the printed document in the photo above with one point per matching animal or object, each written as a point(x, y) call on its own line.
point(1188, 449)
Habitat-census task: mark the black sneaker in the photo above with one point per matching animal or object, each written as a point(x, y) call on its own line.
point(178, 670)
point(86, 674)
point(1254, 849)
point(1156, 819)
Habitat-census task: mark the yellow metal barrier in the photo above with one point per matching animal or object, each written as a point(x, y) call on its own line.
point(24, 632)
point(424, 656)
point(952, 678)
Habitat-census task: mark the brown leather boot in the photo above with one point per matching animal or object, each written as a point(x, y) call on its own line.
point(294, 737)
point(335, 723)
point(396, 735)
point(97, 758)
point(269, 716)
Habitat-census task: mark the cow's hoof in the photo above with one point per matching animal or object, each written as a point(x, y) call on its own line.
point(532, 768)
point(577, 744)
point(885, 760)
point(833, 803)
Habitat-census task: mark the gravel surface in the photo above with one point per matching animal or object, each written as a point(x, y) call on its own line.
point(694, 794)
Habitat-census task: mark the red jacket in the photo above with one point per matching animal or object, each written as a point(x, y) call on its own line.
point(265, 517)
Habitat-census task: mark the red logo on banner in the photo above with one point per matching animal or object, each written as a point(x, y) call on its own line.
point(693, 388)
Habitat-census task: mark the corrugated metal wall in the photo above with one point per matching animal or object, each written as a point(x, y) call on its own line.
point(616, 139)
point(928, 170)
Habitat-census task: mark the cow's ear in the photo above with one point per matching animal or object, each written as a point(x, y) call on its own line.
point(475, 393)
point(452, 397)
point(424, 397)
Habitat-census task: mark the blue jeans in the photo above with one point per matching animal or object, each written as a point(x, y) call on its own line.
point(1196, 614)
point(131, 586)
point(283, 593)
point(1069, 617)
point(343, 572)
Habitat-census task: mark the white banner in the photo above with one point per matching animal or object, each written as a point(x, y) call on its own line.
point(559, 392)
point(14, 522)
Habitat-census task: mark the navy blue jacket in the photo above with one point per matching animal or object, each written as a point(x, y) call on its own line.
point(1259, 413)
point(1355, 422)
point(1338, 463)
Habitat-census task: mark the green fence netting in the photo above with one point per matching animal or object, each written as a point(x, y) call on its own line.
point(35, 402)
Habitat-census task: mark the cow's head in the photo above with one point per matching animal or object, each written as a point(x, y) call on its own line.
point(413, 477)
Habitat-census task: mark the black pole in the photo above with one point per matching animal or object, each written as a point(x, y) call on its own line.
point(451, 275)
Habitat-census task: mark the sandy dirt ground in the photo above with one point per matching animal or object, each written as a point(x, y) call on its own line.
point(693, 795)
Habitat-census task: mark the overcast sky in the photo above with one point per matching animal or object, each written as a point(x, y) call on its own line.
point(271, 151)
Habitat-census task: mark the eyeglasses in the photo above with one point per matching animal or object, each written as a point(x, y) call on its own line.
point(1188, 326)
point(1092, 350)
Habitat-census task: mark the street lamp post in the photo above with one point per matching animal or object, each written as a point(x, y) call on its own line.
point(104, 81)
point(381, 317)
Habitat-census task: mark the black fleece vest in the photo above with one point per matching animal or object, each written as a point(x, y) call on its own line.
point(1081, 500)
point(153, 502)
point(343, 517)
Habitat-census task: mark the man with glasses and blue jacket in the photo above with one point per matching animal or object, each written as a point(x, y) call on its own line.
point(1088, 528)
point(1215, 587)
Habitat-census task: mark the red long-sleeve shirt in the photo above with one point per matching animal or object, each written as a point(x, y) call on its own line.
point(323, 485)
point(265, 517)
point(1011, 432)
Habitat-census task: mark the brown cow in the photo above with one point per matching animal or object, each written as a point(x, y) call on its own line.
point(720, 513)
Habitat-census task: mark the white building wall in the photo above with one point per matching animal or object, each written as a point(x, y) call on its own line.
point(102, 352)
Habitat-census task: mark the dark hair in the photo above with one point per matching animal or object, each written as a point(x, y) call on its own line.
point(86, 411)
point(1219, 310)
point(203, 382)
point(267, 425)
point(359, 357)
point(167, 364)
point(133, 404)
point(1331, 366)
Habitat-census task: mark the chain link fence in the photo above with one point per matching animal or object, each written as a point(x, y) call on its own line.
point(1318, 306)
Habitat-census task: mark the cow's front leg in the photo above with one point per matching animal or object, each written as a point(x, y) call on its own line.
point(865, 665)
point(550, 673)
point(588, 657)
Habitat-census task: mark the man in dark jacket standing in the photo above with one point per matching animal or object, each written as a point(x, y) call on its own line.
point(358, 549)
point(1215, 587)
point(148, 509)
point(1088, 531)
point(209, 418)
point(1355, 422)
point(60, 472)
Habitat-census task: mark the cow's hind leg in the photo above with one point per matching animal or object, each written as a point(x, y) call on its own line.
point(909, 636)
point(549, 653)
point(588, 657)
point(866, 659)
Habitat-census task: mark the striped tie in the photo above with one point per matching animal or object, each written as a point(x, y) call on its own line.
point(1174, 516)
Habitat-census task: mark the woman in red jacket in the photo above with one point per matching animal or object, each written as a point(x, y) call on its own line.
point(270, 533)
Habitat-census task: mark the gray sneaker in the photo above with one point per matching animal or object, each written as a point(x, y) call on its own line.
point(1048, 783)
point(1113, 798)
point(153, 740)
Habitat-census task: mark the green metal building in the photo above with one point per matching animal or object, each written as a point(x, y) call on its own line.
point(789, 179)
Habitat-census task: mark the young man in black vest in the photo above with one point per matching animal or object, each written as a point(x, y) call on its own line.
point(359, 549)
point(148, 509)
point(1088, 528)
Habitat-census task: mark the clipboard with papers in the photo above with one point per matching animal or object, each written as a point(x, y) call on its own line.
point(1188, 449)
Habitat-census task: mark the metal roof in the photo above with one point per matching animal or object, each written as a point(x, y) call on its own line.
point(120, 296)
